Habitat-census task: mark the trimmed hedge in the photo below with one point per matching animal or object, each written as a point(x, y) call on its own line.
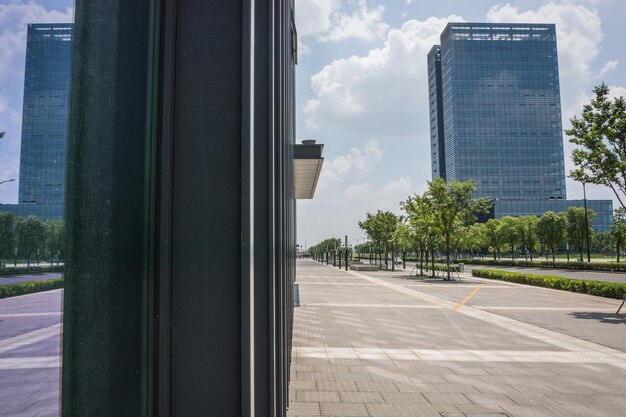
point(599, 288)
point(34, 269)
point(583, 266)
point(29, 287)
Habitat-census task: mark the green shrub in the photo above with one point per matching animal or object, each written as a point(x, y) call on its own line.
point(583, 266)
point(599, 288)
point(34, 269)
point(30, 287)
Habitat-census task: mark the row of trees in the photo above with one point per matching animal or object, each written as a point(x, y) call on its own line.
point(444, 220)
point(30, 237)
point(432, 221)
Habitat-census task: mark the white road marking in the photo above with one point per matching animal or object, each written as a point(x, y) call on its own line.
point(18, 315)
point(572, 344)
point(30, 363)
point(461, 355)
point(29, 338)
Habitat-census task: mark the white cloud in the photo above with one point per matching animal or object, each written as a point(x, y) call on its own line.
point(354, 164)
point(357, 191)
point(325, 20)
point(313, 16)
point(365, 24)
point(394, 192)
point(383, 92)
point(617, 91)
point(609, 66)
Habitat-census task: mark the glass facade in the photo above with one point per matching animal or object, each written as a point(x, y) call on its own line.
point(501, 107)
point(602, 208)
point(44, 120)
point(495, 114)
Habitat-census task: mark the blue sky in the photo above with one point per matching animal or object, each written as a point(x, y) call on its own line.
point(361, 89)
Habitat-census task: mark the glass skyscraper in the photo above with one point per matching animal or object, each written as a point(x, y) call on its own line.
point(44, 121)
point(495, 116)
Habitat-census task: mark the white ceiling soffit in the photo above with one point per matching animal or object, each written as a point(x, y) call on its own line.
point(306, 172)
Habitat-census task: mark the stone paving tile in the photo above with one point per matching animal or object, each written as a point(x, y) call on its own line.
point(580, 411)
point(403, 410)
point(343, 409)
point(336, 386)
point(361, 397)
point(304, 385)
point(531, 411)
point(352, 376)
point(447, 399)
point(404, 398)
point(376, 386)
point(491, 399)
point(317, 396)
point(430, 359)
point(315, 376)
point(473, 410)
point(303, 409)
point(531, 399)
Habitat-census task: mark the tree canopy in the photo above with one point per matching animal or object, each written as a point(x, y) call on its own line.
point(600, 134)
point(453, 206)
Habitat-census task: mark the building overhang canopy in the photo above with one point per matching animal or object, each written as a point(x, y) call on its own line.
point(307, 165)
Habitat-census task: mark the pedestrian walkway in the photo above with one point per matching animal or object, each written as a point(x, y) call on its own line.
point(381, 344)
point(30, 348)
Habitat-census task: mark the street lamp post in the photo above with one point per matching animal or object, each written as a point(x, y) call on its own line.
point(586, 223)
point(11, 180)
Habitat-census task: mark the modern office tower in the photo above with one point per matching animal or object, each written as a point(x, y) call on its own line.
point(44, 119)
point(44, 122)
point(495, 116)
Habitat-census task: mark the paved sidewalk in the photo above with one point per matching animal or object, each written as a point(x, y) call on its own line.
point(30, 348)
point(383, 344)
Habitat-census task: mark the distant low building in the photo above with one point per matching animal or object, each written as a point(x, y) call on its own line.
point(495, 117)
point(44, 122)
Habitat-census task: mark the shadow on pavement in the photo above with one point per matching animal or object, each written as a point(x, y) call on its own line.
point(601, 317)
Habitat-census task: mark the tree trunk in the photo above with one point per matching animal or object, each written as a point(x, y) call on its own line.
point(448, 258)
point(581, 254)
point(432, 261)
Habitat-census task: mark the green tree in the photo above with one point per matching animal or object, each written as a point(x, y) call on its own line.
point(477, 238)
point(510, 232)
point(579, 228)
point(380, 228)
point(618, 231)
point(54, 237)
point(453, 207)
point(30, 235)
point(600, 134)
point(494, 237)
point(7, 234)
point(421, 219)
point(551, 229)
point(527, 231)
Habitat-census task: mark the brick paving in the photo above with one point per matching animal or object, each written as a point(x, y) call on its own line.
point(384, 344)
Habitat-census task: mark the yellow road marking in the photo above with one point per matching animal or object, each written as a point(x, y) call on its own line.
point(470, 295)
